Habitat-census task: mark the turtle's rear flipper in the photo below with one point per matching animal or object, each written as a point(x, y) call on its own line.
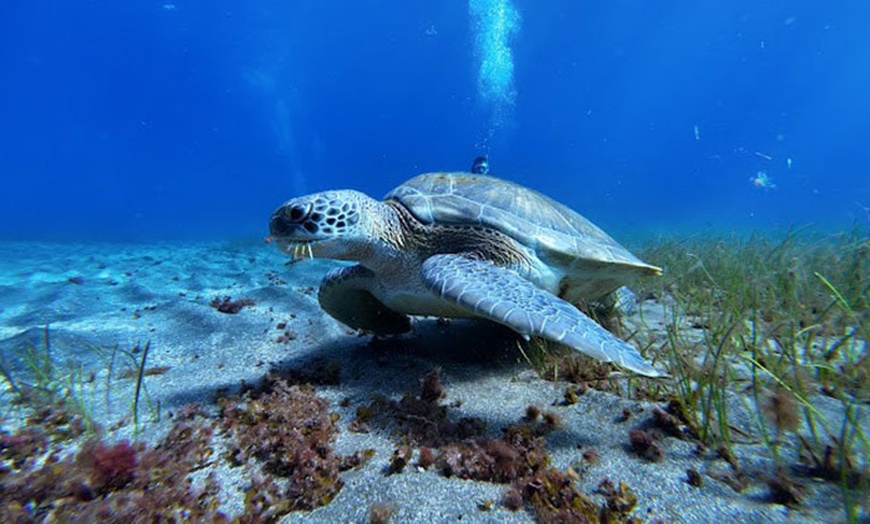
point(344, 295)
point(500, 294)
point(623, 301)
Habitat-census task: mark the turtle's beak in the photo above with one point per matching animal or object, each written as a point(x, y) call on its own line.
point(279, 226)
point(288, 229)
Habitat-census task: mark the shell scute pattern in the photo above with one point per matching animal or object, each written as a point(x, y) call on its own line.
point(558, 234)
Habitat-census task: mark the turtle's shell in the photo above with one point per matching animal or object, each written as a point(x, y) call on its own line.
point(560, 237)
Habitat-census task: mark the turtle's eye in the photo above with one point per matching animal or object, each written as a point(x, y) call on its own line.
point(298, 212)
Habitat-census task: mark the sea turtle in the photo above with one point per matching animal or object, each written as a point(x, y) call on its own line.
point(463, 245)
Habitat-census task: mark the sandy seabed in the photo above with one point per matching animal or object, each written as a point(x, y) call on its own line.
point(124, 295)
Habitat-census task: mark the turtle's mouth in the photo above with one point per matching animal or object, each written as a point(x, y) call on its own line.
point(295, 233)
point(298, 250)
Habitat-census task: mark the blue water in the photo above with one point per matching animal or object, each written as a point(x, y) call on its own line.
point(195, 119)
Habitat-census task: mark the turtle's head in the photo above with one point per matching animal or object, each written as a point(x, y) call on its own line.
point(332, 224)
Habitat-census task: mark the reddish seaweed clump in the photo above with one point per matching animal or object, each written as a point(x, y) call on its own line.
point(423, 421)
point(517, 458)
point(112, 467)
point(20, 447)
point(431, 387)
point(519, 453)
point(427, 458)
point(116, 483)
point(230, 306)
point(646, 444)
point(552, 496)
point(288, 431)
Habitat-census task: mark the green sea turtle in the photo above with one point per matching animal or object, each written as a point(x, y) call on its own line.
point(463, 245)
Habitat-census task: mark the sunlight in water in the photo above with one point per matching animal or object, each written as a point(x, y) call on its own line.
point(494, 23)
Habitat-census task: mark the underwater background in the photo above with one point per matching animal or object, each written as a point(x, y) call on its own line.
point(144, 120)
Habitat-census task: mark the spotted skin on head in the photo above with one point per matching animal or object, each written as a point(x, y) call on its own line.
point(325, 214)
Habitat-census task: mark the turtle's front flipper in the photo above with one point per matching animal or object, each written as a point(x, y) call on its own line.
point(500, 294)
point(344, 294)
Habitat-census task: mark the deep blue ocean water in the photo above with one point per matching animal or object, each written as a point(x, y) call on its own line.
point(184, 119)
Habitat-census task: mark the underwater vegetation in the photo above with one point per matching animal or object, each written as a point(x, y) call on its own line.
point(772, 326)
point(518, 458)
point(60, 466)
point(44, 479)
point(795, 312)
point(781, 324)
point(284, 433)
point(229, 306)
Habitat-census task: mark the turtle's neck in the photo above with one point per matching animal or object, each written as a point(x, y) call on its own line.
point(395, 235)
